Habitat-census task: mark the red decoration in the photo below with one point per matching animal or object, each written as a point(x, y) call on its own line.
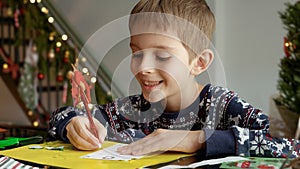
point(66, 59)
point(22, 11)
point(286, 47)
point(59, 77)
point(246, 164)
point(41, 76)
point(13, 68)
point(263, 166)
point(81, 92)
point(78, 84)
point(16, 18)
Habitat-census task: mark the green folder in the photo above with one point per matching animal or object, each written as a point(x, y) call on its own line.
point(11, 142)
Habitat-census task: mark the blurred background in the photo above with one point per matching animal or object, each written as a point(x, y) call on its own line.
point(248, 43)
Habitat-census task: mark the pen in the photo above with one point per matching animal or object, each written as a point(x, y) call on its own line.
point(79, 86)
point(89, 114)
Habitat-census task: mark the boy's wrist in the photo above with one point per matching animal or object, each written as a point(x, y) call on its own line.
point(196, 139)
point(199, 139)
point(202, 139)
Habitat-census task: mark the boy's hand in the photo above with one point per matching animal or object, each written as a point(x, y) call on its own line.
point(80, 136)
point(166, 140)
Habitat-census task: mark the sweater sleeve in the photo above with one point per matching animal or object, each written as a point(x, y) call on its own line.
point(260, 143)
point(58, 122)
point(219, 138)
point(61, 117)
point(253, 138)
point(240, 129)
point(117, 130)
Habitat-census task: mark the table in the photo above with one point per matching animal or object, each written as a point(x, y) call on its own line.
point(70, 158)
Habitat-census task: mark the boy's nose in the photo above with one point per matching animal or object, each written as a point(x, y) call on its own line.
point(147, 71)
point(147, 65)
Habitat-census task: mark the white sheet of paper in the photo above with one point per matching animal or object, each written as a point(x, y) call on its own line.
point(110, 153)
point(206, 162)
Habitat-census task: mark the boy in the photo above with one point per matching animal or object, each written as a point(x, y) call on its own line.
point(169, 42)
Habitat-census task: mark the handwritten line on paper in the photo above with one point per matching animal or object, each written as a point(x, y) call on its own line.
point(110, 153)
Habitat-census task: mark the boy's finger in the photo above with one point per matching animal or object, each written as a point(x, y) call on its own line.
point(77, 140)
point(82, 144)
point(82, 131)
point(102, 132)
point(140, 147)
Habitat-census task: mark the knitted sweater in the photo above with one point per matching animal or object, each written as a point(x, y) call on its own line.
point(228, 122)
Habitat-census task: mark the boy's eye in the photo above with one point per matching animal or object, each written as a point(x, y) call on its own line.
point(137, 54)
point(162, 58)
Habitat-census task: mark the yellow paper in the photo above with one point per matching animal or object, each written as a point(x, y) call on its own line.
point(70, 157)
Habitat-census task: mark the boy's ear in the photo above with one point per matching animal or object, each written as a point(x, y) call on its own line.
point(202, 62)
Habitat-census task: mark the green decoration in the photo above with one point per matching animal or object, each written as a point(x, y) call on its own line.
point(28, 80)
point(289, 74)
point(54, 61)
point(27, 87)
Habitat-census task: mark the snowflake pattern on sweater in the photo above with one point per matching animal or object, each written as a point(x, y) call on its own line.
point(228, 121)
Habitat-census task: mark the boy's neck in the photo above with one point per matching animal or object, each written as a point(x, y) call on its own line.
point(188, 98)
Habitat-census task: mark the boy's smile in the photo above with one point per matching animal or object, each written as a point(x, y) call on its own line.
point(161, 66)
point(149, 85)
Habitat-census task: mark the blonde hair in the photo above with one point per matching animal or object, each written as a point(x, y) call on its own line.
point(191, 20)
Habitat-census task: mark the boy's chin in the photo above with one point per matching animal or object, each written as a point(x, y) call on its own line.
point(155, 96)
point(153, 100)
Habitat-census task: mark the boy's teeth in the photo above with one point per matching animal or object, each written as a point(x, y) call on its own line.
point(151, 83)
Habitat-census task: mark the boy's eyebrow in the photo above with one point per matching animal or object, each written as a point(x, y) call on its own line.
point(155, 46)
point(133, 45)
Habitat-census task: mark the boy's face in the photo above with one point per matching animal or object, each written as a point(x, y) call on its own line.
point(161, 66)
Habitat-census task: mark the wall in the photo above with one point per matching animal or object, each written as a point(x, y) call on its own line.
point(10, 112)
point(248, 39)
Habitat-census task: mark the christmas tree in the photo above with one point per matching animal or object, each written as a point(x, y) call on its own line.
point(289, 74)
point(46, 65)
